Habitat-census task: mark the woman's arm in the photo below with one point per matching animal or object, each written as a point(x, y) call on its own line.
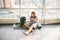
point(30, 19)
point(36, 19)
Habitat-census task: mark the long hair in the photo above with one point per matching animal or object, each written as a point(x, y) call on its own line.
point(34, 14)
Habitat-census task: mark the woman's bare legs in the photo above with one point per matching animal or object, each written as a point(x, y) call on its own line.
point(27, 26)
point(30, 29)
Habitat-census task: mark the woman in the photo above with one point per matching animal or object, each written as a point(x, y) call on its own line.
point(30, 25)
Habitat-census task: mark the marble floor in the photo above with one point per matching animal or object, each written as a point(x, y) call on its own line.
point(47, 32)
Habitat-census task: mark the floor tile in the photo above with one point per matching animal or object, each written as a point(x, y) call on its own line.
point(19, 37)
point(47, 32)
point(9, 37)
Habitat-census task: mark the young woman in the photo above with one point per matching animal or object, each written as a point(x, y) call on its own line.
point(30, 25)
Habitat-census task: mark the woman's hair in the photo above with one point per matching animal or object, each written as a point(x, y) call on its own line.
point(34, 14)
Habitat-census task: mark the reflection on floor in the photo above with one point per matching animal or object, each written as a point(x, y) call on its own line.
point(47, 32)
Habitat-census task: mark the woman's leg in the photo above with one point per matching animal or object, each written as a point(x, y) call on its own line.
point(27, 26)
point(30, 29)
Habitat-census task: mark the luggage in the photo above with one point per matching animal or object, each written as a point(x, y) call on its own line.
point(22, 21)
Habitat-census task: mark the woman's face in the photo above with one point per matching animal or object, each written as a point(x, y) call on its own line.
point(33, 15)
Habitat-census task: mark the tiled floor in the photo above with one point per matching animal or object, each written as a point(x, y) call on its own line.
point(47, 32)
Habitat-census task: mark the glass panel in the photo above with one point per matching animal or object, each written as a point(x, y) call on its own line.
point(15, 4)
point(1, 4)
point(58, 3)
point(11, 3)
point(58, 13)
point(50, 14)
point(31, 3)
point(51, 4)
point(9, 14)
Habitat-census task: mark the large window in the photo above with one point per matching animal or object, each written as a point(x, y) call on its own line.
point(44, 9)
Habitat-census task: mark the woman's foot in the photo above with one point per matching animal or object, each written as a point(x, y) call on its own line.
point(26, 33)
